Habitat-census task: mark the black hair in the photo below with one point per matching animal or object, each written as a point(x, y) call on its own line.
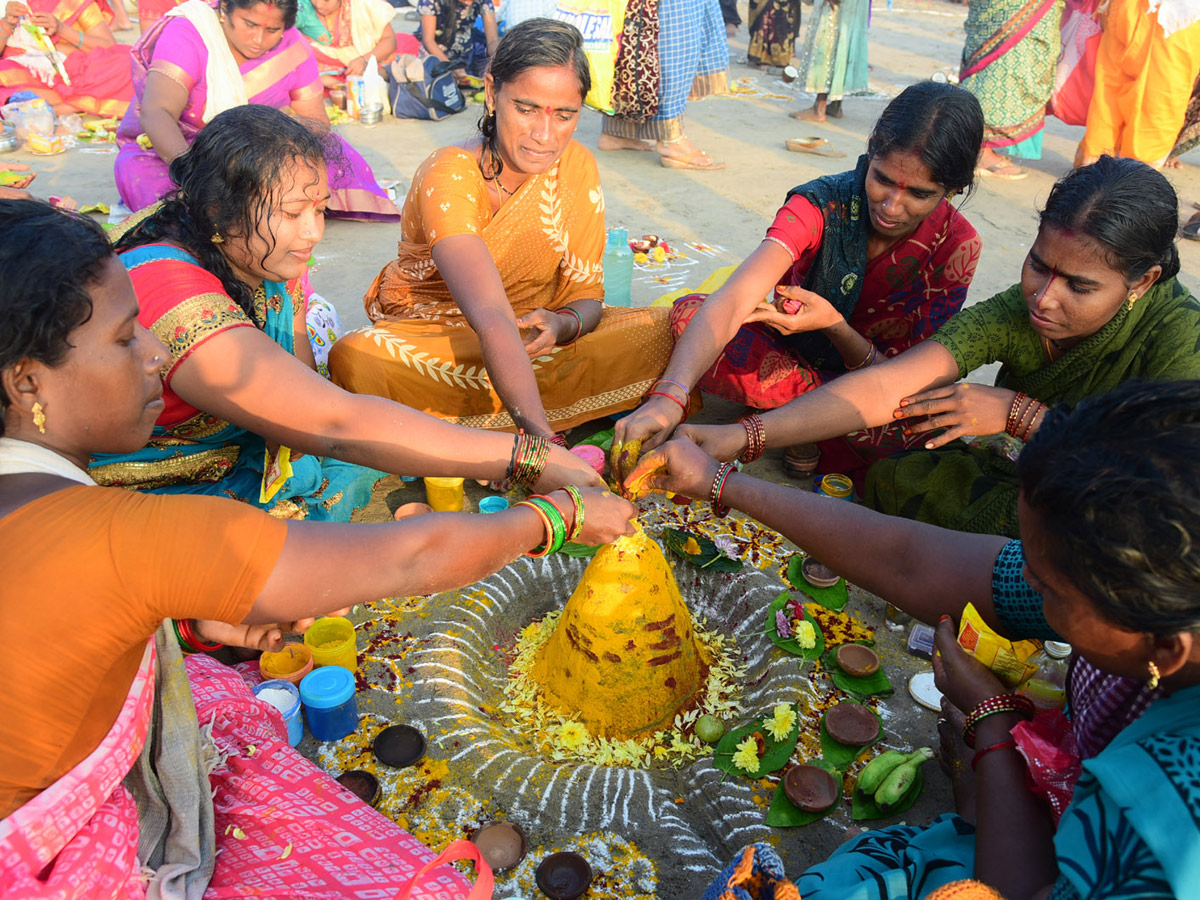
point(1116, 487)
point(534, 43)
point(287, 7)
point(48, 261)
point(229, 182)
point(1127, 207)
point(941, 123)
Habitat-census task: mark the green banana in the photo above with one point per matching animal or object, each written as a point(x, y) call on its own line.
point(900, 779)
point(874, 772)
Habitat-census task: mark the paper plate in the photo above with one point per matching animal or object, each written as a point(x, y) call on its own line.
point(925, 692)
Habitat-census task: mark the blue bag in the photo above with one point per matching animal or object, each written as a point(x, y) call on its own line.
point(427, 91)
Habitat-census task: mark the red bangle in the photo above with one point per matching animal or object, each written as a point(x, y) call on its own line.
point(718, 485)
point(980, 754)
point(1003, 703)
point(567, 311)
point(756, 438)
point(670, 397)
point(193, 640)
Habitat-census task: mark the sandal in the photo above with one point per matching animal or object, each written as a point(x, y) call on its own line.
point(1005, 171)
point(701, 162)
point(1191, 228)
point(817, 146)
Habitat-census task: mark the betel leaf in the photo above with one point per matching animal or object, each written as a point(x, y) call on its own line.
point(842, 755)
point(602, 439)
point(783, 813)
point(707, 556)
point(775, 756)
point(790, 644)
point(860, 687)
point(863, 806)
point(578, 551)
point(834, 598)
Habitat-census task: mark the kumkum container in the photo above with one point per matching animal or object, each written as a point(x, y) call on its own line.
point(291, 663)
point(333, 642)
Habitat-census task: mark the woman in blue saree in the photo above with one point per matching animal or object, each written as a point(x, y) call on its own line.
point(1109, 561)
point(218, 269)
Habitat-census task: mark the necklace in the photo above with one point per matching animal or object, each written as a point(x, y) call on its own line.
point(496, 178)
point(1052, 348)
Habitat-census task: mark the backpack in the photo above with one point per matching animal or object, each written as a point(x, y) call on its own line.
point(425, 90)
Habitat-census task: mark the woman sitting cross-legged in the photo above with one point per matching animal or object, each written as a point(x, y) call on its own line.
point(492, 315)
point(123, 767)
point(217, 269)
point(860, 266)
point(1098, 304)
point(1109, 560)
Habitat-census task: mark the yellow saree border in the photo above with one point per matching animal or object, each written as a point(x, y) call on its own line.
point(204, 466)
point(192, 321)
point(263, 76)
point(178, 74)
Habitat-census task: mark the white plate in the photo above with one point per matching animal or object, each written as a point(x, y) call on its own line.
point(925, 692)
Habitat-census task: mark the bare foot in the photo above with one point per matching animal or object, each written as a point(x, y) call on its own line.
point(1174, 163)
point(808, 115)
point(612, 142)
point(955, 758)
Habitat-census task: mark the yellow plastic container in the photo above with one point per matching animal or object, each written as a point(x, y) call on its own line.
point(444, 494)
point(333, 642)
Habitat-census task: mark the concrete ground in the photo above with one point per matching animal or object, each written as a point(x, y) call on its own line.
point(724, 212)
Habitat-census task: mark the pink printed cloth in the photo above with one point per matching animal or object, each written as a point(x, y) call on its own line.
point(78, 838)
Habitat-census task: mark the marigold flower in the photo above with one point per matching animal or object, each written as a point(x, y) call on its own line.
point(746, 757)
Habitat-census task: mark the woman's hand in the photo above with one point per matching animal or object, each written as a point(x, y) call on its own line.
point(960, 408)
point(606, 516)
point(253, 637)
point(797, 311)
point(48, 22)
point(678, 466)
point(544, 331)
point(652, 423)
point(564, 467)
point(356, 66)
point(722, 442)
point(13, 12)
point(961, 678)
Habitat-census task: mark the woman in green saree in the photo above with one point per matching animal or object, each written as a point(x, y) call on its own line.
point(1098, 304)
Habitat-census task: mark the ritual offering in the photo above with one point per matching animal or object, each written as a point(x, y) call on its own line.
point(563, 876)
point(399, 746)
point(811, 788)
point(333, 642)
point(852, 723)
point(362, 784)
point(503, 845)
point(858, 660)
point(792, 628)
point(817, 574)
point(1008, 660)
point(710, 729)
point(291, 663)
point(889, 783)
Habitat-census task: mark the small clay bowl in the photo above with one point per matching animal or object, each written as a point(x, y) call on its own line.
point(810, 788)
point(408, 510)
point(362, 784)
point(817, 574)
point(857, 660)
point(399, 746)
point(801, 460)
point(563, 876)
point(852, 724)
point(503, 845)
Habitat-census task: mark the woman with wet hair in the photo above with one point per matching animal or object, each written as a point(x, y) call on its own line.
point(492, 314)
point(1098, 304)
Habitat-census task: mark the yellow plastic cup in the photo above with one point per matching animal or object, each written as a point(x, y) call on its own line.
point(444, 494)
point(333, 642)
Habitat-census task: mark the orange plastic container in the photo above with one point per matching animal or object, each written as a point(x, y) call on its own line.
point(291, 663)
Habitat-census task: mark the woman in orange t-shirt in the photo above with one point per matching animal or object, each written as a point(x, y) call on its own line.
point(80, 375)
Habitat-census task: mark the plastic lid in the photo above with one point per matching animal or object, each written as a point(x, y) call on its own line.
point(327, 687)
point(618, 235)
point(1057, 649)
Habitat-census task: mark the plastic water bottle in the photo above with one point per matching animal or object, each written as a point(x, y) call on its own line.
point(1047, 687)
point(618, 268)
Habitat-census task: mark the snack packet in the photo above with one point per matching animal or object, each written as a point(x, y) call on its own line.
point(1006, 659)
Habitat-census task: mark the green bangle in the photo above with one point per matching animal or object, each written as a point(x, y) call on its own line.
point(183, 644)
point(557, 525)
point(577, 499)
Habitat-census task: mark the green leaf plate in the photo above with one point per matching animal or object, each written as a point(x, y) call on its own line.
point(773, 759)
point(790, 644)
point(578, 551)
point(709, 557)
point(783, 813)
point(863, 806)
point(842, 755)
point(602, 439)
point(860, 687)
point(834, 597)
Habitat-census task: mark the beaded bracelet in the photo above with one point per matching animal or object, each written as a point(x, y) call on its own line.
point(980, 754)
point(558, 525)
point(577, 499)
point(1003, 703)
point(567, 311)
point(718, 485)
point(1010, 425)
point(670, 397)
point(188, 639)
point(756, 438)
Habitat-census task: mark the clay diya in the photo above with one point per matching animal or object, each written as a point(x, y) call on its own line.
point(362, 784)
point(502, 844)
point(810, 788)
point(817, 574)
point(563, 876)
point(852, 723)
point(857, 660)
point(399, 746)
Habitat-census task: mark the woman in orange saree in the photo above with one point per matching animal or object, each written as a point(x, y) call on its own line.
point(92, 74)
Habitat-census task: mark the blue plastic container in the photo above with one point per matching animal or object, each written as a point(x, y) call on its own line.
point(493, 504)
point(618, 268)
point(330, 702)
point(291, 715)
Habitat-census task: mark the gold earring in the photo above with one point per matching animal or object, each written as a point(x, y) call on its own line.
point(216, 238)
point(1130, 300)
point(39, 417)
point(1152, 681)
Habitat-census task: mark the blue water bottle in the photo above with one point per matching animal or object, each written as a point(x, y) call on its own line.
point(618, 268)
